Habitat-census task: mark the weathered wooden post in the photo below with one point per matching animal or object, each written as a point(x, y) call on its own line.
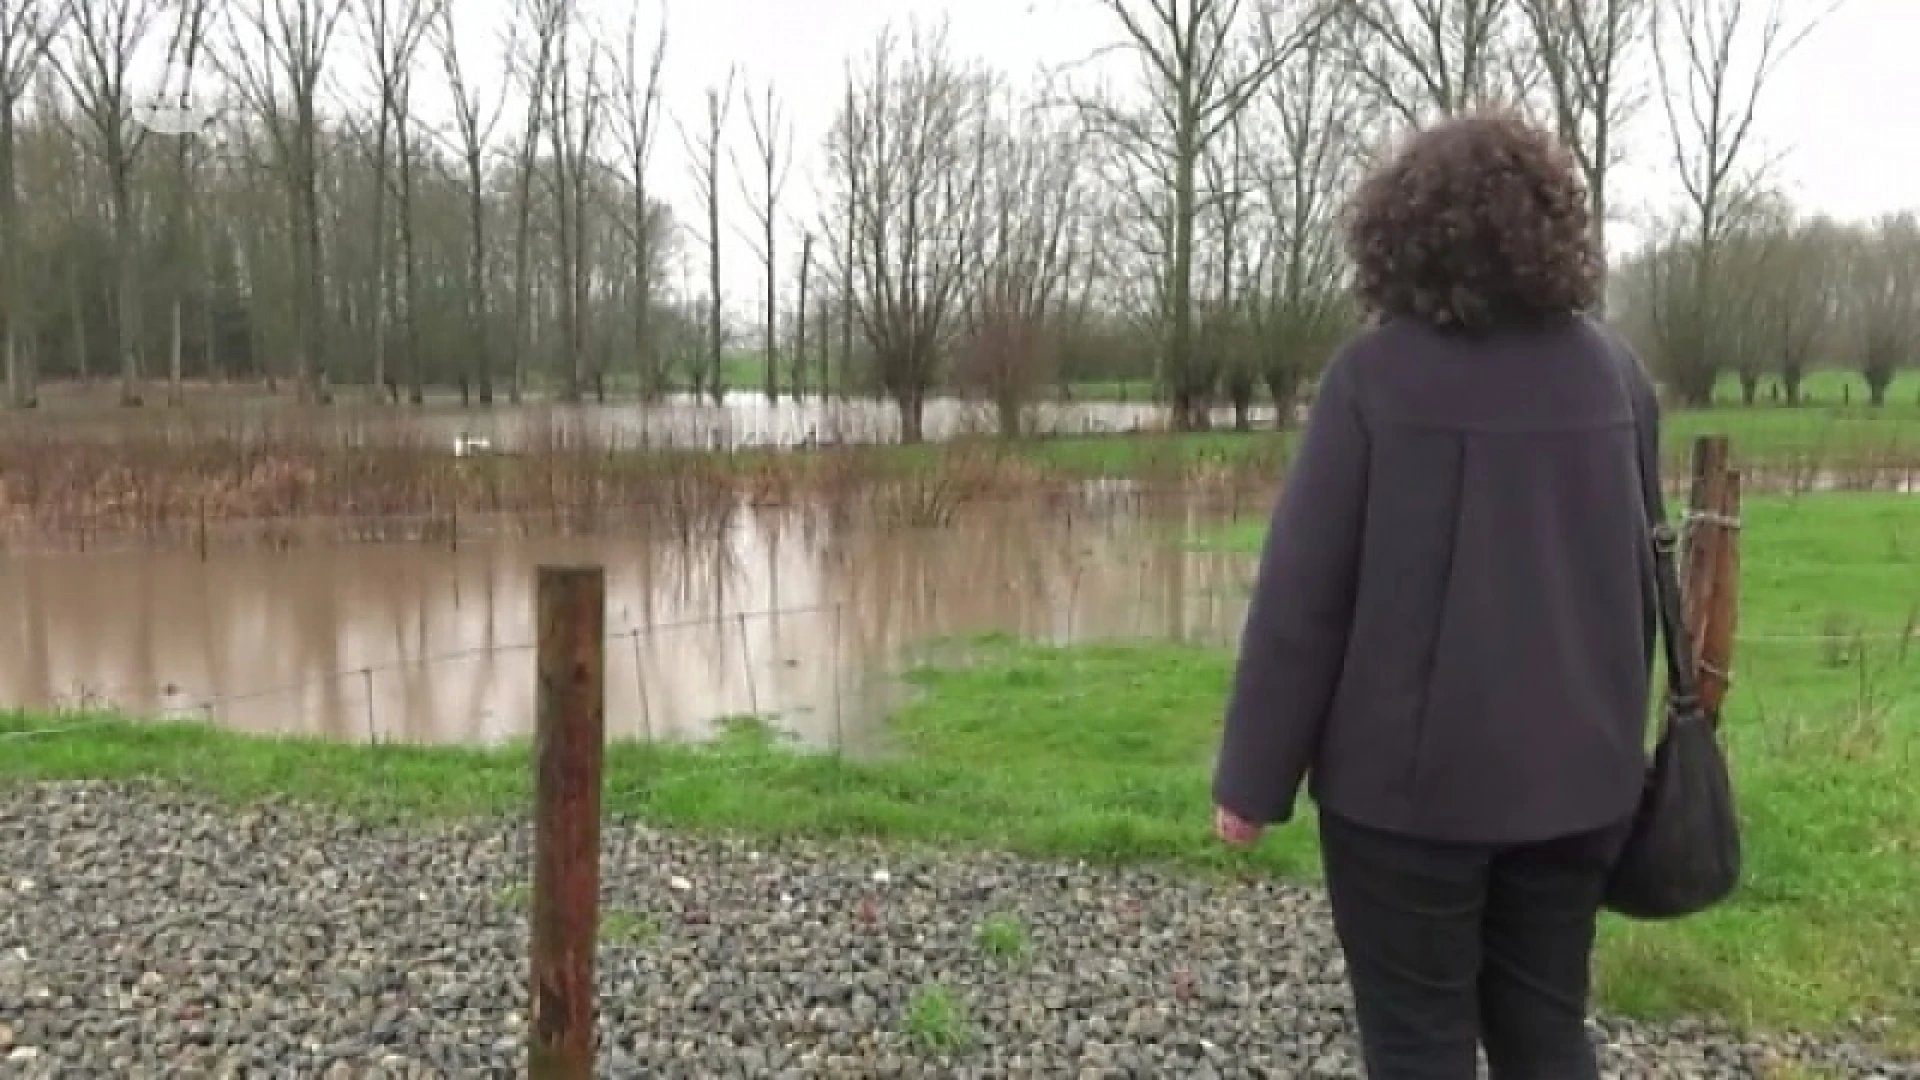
point(1711, 562)
point(568, 743)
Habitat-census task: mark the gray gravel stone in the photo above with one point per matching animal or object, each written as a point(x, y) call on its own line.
point(147, 934)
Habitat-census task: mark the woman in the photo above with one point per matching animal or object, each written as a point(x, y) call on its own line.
point(1451, 631)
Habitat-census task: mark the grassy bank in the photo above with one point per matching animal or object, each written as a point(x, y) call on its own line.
point(745, 371)
point(1103, 752)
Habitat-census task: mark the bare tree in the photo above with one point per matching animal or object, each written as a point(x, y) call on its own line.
point(1714, 60)
point(1033, 238)
point(1312, 119)
point(183, 53)
point(1802, 299)
point(575, 109)
point(1747, 261)
point(1134, 242)
point(394, 31)
point(548, 20)
point(637, 126)
point(846, 144)
point(96, 62)
point(703, 153)
point(279, 52)
point(773, 153)
point(1420, 57)
point(915, 158)
point(1885, 294)
point(475, 124)
point(27, 28)
point(1200, 83)
point(1584, 48)
point(1226, 344)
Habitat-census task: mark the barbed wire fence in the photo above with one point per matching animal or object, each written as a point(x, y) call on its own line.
point(90, 707)
point(1214, 624)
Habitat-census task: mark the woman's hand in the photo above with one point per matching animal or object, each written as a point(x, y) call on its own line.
point(1234, 829)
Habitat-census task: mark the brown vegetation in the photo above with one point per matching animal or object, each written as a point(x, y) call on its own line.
point(291, 482)
point(283, 484)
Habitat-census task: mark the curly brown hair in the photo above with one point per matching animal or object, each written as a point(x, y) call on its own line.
point(1478, 223)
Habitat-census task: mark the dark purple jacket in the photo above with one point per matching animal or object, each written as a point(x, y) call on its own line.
point(1451, 629)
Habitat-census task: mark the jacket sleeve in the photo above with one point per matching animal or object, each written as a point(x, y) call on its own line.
point(1294, 643)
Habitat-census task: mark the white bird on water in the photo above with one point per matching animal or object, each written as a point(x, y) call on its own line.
point(465, 445)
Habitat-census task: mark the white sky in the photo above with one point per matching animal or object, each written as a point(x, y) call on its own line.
point(1836, 112)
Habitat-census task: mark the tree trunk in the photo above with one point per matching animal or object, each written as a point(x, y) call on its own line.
point(772, 380)
point(77, 313)
point(127, 290)
point(1006, 407)
point(522, 281)
point(643, 355)
point(799, 388)
point(21, 392)
point(584, 359)
point(176, 350)
point(477, 278)
point(410, 276)
point(912, 405)
point(382, 271)
point(1180, 287)
point(715, 381)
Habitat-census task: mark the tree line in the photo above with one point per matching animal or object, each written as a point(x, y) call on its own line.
point(281, 210)
point(1779, 294)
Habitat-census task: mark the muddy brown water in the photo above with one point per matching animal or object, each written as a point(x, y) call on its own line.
point(788, 615)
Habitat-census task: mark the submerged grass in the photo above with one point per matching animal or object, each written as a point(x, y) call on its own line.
point(160, 482)
point(1103, 752)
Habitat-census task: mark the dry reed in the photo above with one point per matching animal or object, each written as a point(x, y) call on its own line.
point(289, 477)
point(288, 480)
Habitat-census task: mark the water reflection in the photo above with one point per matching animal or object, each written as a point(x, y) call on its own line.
point(793, 614)
point(739, 420)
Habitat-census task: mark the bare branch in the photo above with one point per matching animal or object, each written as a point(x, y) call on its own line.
point(1419, 57)
point(1584, 49)
point(1711, 91)
point(1195, 58)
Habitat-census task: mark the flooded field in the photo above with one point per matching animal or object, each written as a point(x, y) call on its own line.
point(790, 615)
point(678, 421)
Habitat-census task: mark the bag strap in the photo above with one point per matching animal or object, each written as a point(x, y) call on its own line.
point(1683, 690)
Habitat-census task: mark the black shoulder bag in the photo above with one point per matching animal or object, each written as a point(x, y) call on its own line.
point(1683, 855)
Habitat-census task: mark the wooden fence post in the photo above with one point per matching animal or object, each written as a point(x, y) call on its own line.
point(1711, 560)
point(568, 748)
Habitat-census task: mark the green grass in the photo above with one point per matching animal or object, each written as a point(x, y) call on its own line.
point(1834, 437)
point(1821, 434)
point(1829, 435)
point(744, 368)
point(1002, 936)
point(1103, 752)
point(936, 1020)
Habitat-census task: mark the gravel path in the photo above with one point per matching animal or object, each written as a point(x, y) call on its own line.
point(144, 934)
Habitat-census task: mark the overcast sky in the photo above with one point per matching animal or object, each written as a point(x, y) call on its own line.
point(1846, 147)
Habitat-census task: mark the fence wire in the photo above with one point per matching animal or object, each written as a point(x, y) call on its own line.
point(92, 707)
point(89, 708)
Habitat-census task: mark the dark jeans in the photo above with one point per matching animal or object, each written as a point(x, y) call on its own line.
point(1453, 947)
